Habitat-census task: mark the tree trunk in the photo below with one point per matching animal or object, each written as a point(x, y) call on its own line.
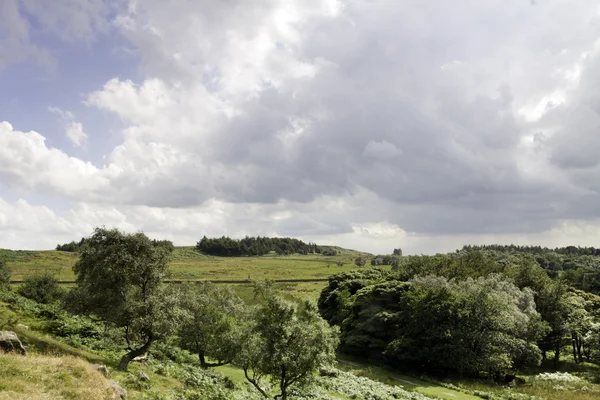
point(573, 340)
point(126, 359)
point(254, 383)
point(206, 365)
point(556, 355)
point(579, 342)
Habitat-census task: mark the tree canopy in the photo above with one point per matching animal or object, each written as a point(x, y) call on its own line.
point(119, 280)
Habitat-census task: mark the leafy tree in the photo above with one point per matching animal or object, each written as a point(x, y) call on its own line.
point(397, 252)
point(119, 280)
point(5, 273)
point(211, 323)
point(286, 343)
point(42, 289)
point(329, 252)
point(360, 261)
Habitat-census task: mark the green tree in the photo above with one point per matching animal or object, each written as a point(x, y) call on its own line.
point(119, 280)
point(5, 273)
point(211, 323)
point(360, 261)
point(286, 343)
point(42, 289)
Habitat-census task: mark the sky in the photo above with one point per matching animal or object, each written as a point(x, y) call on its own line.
point(368, 124)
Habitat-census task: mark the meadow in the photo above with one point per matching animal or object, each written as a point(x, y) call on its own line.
point(187, 264)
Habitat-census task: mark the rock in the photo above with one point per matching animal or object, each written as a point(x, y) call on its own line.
point(118, 389)
point(102, 369)
point(140, 359)
point(9, 341)
point(22, 326)
point(143, 377)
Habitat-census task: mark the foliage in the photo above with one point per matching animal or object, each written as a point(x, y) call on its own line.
point(384, 259)
point(119, 280)
point(329, 252)
point(72, 246)
point(360, 261)
point(254, 246)
point(5, 273)
point(211, 322)
point(471, 326)
point(286, 343)
point(42, 289)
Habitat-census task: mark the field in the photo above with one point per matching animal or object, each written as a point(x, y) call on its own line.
point(188, 264)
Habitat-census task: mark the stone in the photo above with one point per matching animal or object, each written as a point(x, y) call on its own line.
point(143, 377)
point(9, 341)
point(118, 389)
point(102, 369)
point(21, 326)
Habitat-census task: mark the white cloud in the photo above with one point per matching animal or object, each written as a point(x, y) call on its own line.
point(329, 120)
point(73, 129)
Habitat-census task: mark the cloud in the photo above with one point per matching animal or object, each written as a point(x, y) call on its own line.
point(378, 122)
point(73, 129)
point(383, 150)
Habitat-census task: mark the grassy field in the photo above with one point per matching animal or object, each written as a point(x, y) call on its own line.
point(189, 264)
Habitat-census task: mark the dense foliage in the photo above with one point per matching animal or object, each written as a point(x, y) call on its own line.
point(119, 280)
point(212, 322)
point(469, 312)
point(289, 344)
point(42, 289)
point(5, 273)
point(72, 246)
point(578, 266)
point(254, 246)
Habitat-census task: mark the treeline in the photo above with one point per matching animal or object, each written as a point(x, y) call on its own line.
point(471, 313)
point(254, 246)
point(72, 247)
point(568, 250)
point(577, 266)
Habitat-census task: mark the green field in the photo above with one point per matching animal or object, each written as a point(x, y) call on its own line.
point(189, 264)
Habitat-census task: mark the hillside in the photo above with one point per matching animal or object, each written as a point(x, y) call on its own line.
point(38, 377)
point(187, 263)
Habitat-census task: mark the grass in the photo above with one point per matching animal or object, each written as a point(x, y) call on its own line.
point(189, 264)
point(37, 377)
point(407, 382)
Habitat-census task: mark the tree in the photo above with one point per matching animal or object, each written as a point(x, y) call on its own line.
point(397, 252)
point(211, 323)
point(287, 343)
point(360, 261)
point(42, 289)
point(5, 273)
point(119, 280)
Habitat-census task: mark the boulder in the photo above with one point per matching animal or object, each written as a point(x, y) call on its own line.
point(118, 389)
point(9, 341)
point(102, 369)
point(143, 377)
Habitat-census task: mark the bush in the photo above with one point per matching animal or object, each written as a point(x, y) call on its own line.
point(4, 275)
point(42, 289)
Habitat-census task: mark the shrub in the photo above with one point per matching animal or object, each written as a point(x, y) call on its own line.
point(4, 275)
point(42, 289)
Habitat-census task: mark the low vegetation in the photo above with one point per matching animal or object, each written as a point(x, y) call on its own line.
point(499, 323)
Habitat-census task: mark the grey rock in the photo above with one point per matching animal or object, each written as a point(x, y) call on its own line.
point(102, 369)
point(143, 377)
point(9, 341)
point(118, 389)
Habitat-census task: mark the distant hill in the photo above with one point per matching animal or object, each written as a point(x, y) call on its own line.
point(346, 252)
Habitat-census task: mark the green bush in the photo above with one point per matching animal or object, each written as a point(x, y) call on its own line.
point(42, 289)
point(4, 275)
